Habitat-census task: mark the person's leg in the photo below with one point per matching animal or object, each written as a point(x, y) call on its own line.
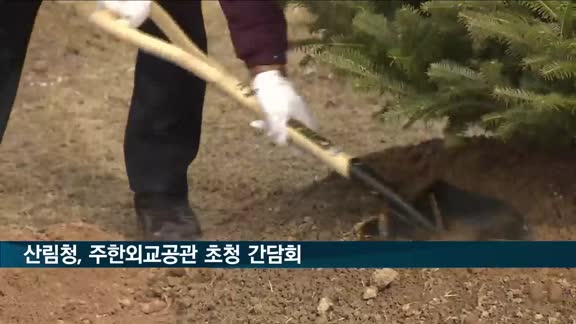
point(16, 25)
point(163, 133)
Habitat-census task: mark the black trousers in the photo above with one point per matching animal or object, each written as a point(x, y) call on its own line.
point(164, 122)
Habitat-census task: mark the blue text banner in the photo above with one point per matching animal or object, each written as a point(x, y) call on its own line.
point(288, 254)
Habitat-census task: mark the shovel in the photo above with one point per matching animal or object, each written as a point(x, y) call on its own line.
point(184, 53)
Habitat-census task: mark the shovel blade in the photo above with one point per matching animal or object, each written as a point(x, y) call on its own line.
point(459, 215)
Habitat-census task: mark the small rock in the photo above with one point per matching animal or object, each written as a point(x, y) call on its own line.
point(382, 278)
point(125, 302)
point(152, 307)
point(174, 281)
point(324, 305)
point(145, 308)
point(128, 291)
point(536, 291)
point(564, 283)
point(176, 272)
point(370, 293)
point(555, 292)
point(538, 316)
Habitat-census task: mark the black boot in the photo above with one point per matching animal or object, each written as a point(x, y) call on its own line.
point(166, 217)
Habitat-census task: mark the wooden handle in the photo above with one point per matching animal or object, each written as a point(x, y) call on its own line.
point(197, 62)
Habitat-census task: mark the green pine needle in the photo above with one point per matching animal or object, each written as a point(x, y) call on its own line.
point(508, 66)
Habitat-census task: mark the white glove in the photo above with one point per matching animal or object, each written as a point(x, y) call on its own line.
point(280, 103)
point(135, 12)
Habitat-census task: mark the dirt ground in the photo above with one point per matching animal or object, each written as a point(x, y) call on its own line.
point(63, 178)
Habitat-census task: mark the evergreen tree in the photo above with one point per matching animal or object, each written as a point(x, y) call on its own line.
point(507, 66)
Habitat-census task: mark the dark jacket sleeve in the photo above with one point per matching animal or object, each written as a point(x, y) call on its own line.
point(258, 30)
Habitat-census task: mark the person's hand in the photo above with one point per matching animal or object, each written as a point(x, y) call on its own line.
point(280, 103)
point(134, 12)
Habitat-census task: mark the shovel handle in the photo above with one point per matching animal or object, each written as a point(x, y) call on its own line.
point(195, 61)
point(184, 53)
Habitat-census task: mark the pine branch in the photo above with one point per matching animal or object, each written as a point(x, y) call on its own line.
point(375, 26)
point(559, 70)
point(480, 5)
point(539, 102)
point(356, 63)
point(493, 121)
point(452, 73)
point(547, 9)
point(314, 46)
point(520, 35)
point(509, 65)
point(535, 62)
point(511, 96)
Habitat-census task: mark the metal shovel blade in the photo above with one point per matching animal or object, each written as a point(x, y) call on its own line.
point(459, 215)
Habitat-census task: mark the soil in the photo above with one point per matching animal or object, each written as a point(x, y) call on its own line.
point(63, 178)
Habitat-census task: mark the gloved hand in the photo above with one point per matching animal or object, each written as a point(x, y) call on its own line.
point(135, 12)
point(280, 103)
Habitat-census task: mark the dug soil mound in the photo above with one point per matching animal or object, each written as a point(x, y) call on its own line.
point(538, 185)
